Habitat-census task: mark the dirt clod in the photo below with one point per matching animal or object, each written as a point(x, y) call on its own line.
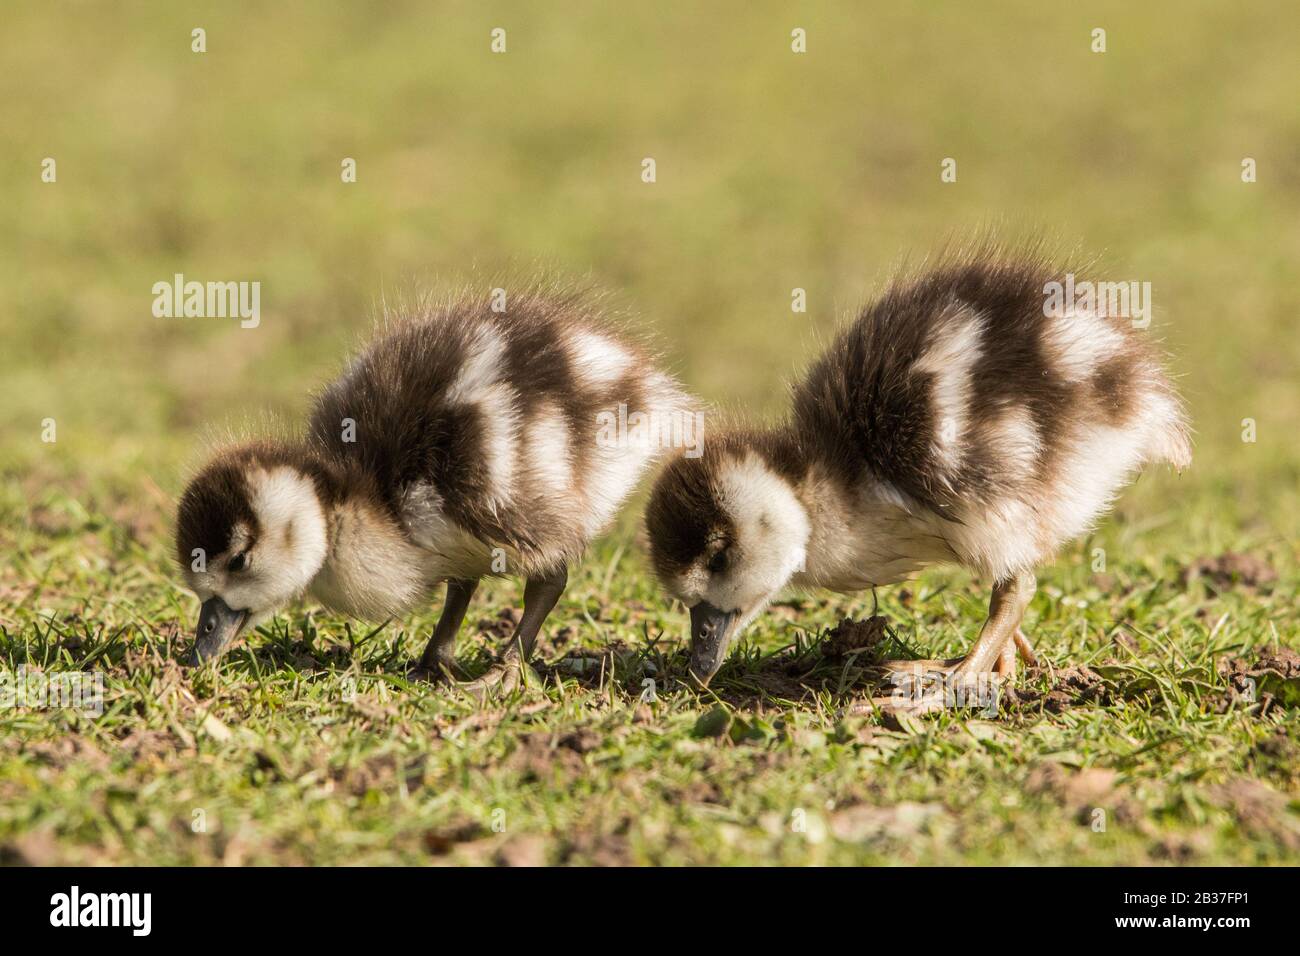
point(1231, 569)
point(1276, 756)
point(860, 637)
point(1260, 810)
point(538, 758)
point(582, 740)
point(1272, 679)
point(1071, 687)
point(1178, 848)
point(1083, 792)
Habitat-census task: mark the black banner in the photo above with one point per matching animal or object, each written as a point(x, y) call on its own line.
point(336, 905)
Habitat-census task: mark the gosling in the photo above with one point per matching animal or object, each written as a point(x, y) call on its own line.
point(463, 442)
point(966, 417)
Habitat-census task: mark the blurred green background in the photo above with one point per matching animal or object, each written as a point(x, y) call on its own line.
point(775, 171)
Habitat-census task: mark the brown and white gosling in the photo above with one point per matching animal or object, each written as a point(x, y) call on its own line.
point(462, 442)
point(957, 420)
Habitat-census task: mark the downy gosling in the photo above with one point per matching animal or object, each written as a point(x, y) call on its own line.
point(957, 420)
point(463, 442)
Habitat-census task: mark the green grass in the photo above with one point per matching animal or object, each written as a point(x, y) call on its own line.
point(308, 745)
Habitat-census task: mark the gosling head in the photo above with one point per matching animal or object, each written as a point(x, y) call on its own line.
point(250, 537)
point(726, 533)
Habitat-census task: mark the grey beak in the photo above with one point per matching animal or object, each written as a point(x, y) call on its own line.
point(218, 628)
point(710, 636)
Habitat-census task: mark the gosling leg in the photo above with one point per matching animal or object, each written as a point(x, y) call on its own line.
point(540, 596)
point(439, 658)
point(991, 658)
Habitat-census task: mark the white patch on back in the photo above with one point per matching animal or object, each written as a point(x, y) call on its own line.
point(483, 367)
point(950, 361)
point(550, 458)
point(612, 470)
point(500, 417)
point(481, 383)
point(598, 361)
point(1079, 342)
point(612, 473)
point(1013, 440)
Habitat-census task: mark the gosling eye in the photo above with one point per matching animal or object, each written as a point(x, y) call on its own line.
point(238, 563)
point(718, 563)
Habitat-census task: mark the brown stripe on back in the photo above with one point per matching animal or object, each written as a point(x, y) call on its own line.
point(1115, 388)
point(1013, 370)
